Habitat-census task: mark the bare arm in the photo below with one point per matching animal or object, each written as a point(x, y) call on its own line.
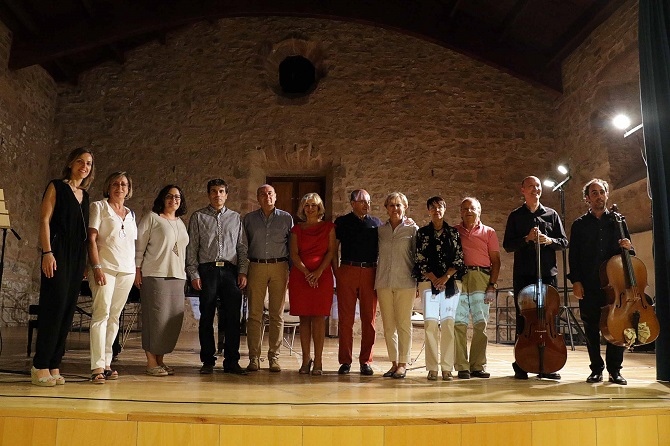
point(295, 255)
point(493, 278)
point(138, 277)
point(94, 257)
point(495, 266)
point(313, 277)
point(46, 212)
point(336, 256)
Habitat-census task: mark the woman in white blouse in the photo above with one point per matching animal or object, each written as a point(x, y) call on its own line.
point(396, 288)
point(160, 258)
point(111, 251)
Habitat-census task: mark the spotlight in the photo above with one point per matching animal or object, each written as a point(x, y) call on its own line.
point(549, 183)
point(562, 169)
point(621, 122)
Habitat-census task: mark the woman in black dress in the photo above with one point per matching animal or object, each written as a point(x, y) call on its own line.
point(63, 226)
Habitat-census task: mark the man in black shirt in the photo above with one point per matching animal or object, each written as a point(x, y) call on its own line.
point(594, 238)
point(356, 234)
point(525, 225)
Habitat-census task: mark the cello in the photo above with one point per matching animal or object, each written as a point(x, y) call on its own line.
point(629, 318)
point(540, 348)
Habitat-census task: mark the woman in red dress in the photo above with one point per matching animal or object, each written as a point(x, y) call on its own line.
point(310, 285)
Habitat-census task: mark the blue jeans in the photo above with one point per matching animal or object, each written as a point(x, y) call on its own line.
point(219, 283)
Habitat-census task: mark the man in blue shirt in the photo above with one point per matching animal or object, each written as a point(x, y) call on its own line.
point(267, 230)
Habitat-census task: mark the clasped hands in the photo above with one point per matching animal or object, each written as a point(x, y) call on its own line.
point(536, 234)
point(439, 283)
point(312, 278)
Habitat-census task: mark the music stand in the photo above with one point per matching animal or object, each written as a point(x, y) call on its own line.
point(565, 313)
point(4, 225)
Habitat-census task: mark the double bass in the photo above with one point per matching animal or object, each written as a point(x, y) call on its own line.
point(540, 348)
point(629, 318)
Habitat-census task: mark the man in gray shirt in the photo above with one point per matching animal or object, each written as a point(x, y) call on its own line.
point(268, 230)
point(216, 262)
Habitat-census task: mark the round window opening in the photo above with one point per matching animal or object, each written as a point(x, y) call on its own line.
point(297, 75)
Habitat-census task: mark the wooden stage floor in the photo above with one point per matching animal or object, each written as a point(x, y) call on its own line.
point(288, 408)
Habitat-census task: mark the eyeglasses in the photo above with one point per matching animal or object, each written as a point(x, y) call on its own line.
point(121, 185)
point(362, 202)
point(170, 197)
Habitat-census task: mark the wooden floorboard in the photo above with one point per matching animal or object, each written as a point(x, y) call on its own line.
point(302, 406)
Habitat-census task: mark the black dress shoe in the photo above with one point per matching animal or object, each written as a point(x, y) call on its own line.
point(235, 369)
point(479, 374)
point(464, 374)
point(207, 369)
point(344, 369)
point(616, 378)
point(552, 375)
point(595, 377)
point(519, 373)
point(367, 370)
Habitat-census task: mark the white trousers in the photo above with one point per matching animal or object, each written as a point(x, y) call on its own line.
point(108, 302)
point(395, 305)
point(439, 312)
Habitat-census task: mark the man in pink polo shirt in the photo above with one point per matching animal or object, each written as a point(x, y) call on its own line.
point(481, 252)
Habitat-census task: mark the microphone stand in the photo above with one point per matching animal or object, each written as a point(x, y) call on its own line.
point(565, 314)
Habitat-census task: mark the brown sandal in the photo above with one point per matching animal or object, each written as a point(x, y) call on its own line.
point(111, 374)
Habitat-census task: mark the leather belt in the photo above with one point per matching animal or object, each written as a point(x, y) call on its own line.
point(484, 269)
point(220, 264)
point(276, 260)
point(359, 264)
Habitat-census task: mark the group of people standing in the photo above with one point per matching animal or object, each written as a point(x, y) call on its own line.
point(453, 269)
point(120, 253)
point(594, 239)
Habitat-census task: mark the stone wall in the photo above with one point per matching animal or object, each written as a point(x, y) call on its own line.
point(601, 79)
point(391, 112)
point(27, 109)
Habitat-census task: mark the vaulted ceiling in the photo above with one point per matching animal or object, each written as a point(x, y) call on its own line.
point(526, 38)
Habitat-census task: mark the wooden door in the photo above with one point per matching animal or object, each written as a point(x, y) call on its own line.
point(290, 191)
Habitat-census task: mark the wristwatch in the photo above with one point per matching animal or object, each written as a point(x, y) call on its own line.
point(494, 285)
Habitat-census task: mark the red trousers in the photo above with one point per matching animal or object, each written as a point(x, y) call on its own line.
point(353, 283)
